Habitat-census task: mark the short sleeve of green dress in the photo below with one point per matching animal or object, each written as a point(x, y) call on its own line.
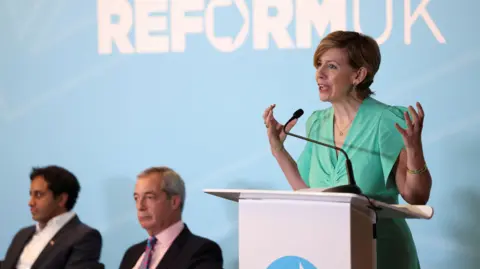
point(390, 141)
point(373, 145)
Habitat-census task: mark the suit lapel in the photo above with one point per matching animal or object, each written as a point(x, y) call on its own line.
point(134, 255)
point(168, 260)
point(18, 247)
point(63, 232)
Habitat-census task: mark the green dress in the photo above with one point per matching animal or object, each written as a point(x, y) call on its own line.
point(373, 145)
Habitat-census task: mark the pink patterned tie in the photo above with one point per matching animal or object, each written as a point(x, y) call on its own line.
point(147, 258)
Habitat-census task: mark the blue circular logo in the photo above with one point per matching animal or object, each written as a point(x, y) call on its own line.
point(291, 262)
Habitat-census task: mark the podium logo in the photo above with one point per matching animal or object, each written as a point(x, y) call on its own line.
point(291, 262)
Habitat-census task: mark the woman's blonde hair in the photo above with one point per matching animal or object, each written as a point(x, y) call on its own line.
point(362, 51)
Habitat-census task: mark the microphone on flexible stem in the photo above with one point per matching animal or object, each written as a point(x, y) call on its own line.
point(351, 187)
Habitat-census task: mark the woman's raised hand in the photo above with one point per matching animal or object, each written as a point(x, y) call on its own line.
point(276, 135)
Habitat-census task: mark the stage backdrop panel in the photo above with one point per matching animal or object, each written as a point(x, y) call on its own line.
point(107, 88)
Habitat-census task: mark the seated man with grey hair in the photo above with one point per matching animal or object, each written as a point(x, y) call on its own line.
point(160, 196)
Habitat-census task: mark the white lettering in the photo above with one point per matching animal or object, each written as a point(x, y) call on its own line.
point(159, 26)
point(181, 24)
point(108, 32)
point(144, 24)
point(308, 11)
point(410, 19)
point(277, 26)
point(388, 17)
point(226, 44)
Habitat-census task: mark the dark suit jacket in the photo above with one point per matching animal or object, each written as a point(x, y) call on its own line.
point(75, 246)
point(188, 251)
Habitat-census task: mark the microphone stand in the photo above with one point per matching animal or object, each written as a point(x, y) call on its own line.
point(351, 187)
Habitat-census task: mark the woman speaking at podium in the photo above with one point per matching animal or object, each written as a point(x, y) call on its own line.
point(383, 142)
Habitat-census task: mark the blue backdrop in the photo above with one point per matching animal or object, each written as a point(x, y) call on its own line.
point(107, 88)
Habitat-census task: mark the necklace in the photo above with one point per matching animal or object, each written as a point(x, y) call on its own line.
point(340, 132)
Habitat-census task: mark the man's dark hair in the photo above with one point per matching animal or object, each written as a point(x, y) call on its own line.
point(59, 181)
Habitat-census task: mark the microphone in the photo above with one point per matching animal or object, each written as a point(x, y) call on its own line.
point(351, 187)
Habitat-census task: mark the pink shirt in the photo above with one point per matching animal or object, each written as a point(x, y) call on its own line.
point(164, 241)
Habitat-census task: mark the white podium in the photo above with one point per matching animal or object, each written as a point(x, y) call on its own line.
point(309, 229)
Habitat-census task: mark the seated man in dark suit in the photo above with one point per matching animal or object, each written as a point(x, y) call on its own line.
point(160, 197)
point(59, 239)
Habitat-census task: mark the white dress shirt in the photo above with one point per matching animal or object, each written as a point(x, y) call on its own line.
point(41, 238)
point(164, 241)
